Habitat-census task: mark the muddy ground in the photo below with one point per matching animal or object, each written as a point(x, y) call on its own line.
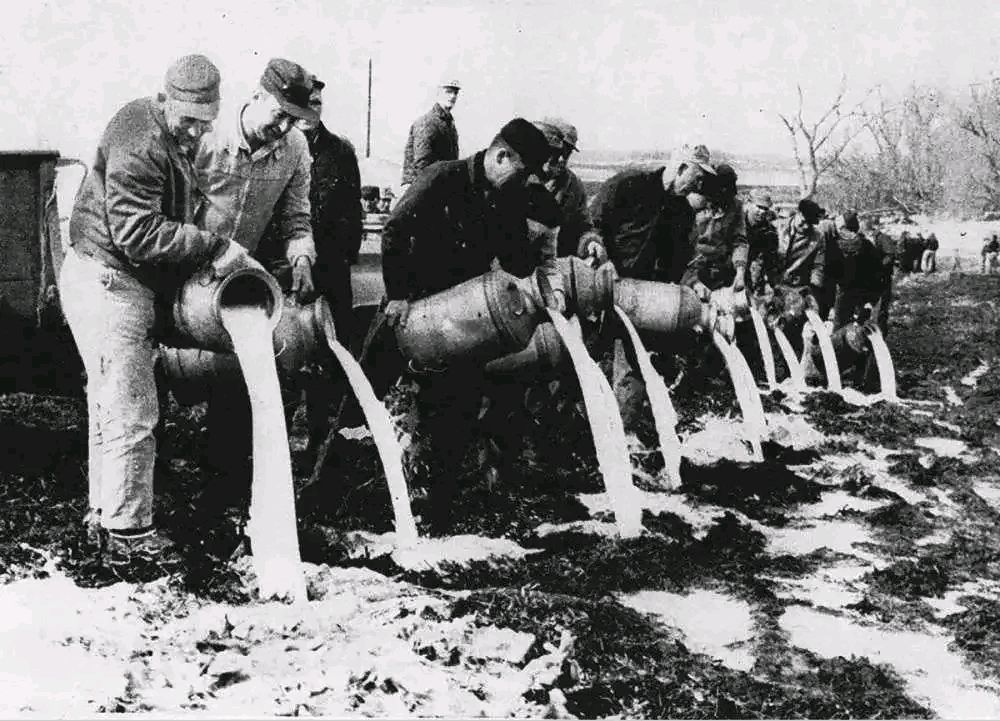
point(854, 573)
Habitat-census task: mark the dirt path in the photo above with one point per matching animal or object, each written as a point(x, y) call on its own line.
point(853, 573)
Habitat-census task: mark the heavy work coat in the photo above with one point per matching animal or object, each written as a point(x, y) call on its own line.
point(646, 228)
point(571, 197)
point(719, 237)
point(432, 137)
point(762, 242)
point(801, 256)
point(861, 277)
point(135, 209)
point(451, 225)
point(335, 214)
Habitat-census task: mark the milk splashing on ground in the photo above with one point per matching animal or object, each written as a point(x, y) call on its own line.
point(664, 414)
point(272, 526)
point(389, 450)
point(607, 428)
point(746, 393)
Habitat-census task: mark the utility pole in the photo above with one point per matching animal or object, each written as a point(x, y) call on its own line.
point(368, 134)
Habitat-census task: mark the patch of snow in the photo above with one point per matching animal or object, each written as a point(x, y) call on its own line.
point(989, 492)
point(712, 623)
point(832, 502)
point(435, 552)
point(793, 431)
point(64, 649)
point(701, 516)
point(972, 379)
point(824, 589)
point(934, 674)
point(836, 535)
point(719, 438)
point(946, 447)
point(951, 396)
point(594, 528)
point(431, 553)
point(857, 398)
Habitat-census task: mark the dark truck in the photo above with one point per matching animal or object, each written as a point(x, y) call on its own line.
point(37, 353)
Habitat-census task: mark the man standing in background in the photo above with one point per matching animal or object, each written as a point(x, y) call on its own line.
point(576, 234)
point(334, 199)
point(762, 240)
point(433, 135)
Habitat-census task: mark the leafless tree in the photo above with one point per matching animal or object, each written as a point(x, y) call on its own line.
point(819, 145)
point(981, 119)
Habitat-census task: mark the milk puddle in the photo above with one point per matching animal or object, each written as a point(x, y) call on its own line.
point(63, 649)
point(712, 623)
point(272, 527)
point(933, 674)
point(972, 379)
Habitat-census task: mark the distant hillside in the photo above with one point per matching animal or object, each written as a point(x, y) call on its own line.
point(773, 171)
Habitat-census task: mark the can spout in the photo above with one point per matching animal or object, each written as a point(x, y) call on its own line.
point(197, 309)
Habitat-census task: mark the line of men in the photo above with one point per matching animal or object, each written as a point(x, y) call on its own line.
point(172, 191)
point(915, 253)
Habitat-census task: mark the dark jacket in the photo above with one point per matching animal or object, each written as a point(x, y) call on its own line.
point(932, 242)
point(450, 225)
point(646, 229)
point(571, 196)
point(861, 263)
point(135, 209)
point(762, 241)
point(801, 255)
point(886, 248)
point(335, 216)
point(432, 137)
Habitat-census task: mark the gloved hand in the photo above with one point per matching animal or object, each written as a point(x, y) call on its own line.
point(556, 300)
point(702, 290)
point(302, 280)
point(233, 257)
point(397, 312)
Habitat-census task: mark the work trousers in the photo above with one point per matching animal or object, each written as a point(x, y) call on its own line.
point(111, 316)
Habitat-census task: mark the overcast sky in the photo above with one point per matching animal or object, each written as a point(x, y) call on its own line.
point(631, 75)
